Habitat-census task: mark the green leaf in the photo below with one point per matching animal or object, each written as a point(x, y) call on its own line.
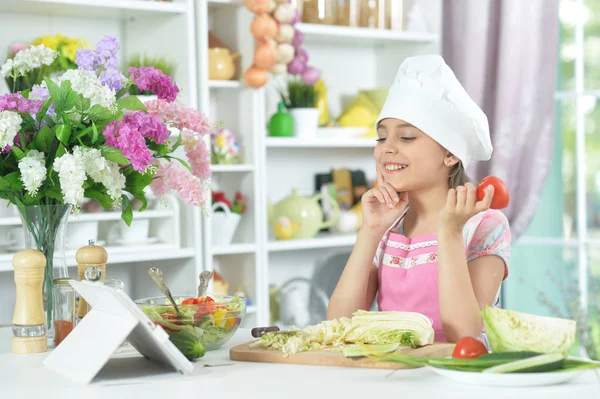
point(83, 132)
point(98, 112)
point(49, 122)
point(98, 193)
point(63, 133)
point(136, 182)
point(60, 151)
point(54, 90)
point(142, 197)
point(127, 212)
point(54, 193)
point(18, 153)
point(95, 136)
point(42, 112)
point(44, 139)
point(131, 103)
point(14, 179)
point(83, 103)
point(33, 200)
point(177, 142)
point(69, 97)
point(113, 154)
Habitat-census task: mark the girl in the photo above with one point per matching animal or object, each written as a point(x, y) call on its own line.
point(427, 244)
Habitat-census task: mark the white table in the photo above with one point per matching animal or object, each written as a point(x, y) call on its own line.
point(25, 376)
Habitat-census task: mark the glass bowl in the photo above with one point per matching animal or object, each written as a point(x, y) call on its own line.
point(213, 320)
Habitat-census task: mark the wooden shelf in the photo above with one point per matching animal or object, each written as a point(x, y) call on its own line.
point(121, 9)
point(232, 168)
point(352, 36)
point(322, 240)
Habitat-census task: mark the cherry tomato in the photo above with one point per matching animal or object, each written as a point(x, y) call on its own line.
point(469, 348)
point(501, 195)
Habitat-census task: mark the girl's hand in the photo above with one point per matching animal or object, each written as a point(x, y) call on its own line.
point(382, 205)
point(462, 205)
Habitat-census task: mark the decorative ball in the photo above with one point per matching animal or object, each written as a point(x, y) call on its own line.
point(255, 77)
point(286, 33)
point(260, 6)
point(264, 27)
point(285, 13)
point(279, 69)
point(286, 53)
point(298, 39)
point(310, 76)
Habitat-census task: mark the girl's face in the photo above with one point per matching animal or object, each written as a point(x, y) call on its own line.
point(409, 159)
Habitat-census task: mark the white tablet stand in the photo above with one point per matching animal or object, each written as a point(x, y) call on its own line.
point(113, 319)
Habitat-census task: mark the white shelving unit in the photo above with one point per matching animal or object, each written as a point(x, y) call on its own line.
point(155, 28)
point(271, 166)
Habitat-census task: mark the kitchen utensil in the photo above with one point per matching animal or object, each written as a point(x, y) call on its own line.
point(245, 353)
point(87, 257)
point(257, 332)
point(157, 275)
point(29, 320)
point(205, 278)
point(221, 65)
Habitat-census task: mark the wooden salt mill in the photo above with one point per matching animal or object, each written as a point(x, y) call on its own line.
point(29, 319)
point(86, 257)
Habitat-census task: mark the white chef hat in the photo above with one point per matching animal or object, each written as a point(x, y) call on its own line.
point(426, 94)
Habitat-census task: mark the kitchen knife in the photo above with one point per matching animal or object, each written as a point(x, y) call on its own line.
point(257, 332)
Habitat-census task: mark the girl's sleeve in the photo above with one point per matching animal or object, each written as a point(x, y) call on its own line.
point(490, 235)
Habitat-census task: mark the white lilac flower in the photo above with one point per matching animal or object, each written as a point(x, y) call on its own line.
point(88, 85)
point(33, 171)
point(6, 68)
point(29, 59)
point(102, 170)
point(71, 174)
point(10, 123)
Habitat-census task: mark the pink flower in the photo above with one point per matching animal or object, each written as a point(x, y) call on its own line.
point(15, 48)
point(198, 154)
point(176, 177)
point(129, 135)
point(154, 80)
point(179, 116)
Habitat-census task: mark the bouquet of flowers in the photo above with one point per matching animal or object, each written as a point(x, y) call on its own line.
point(225, 148)
point(81, 135)
point(37, 63)
point(160, 63)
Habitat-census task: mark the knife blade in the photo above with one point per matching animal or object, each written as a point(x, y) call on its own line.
point(257, 332)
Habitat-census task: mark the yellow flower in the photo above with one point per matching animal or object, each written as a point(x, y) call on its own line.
point(48, 41)
point(69, 51)
point(221, 140)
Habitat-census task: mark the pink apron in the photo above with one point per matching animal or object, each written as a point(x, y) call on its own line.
point(408, 276)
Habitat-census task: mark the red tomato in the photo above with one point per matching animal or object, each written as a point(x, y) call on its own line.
point(469, 348)
point(190, 301)
point(501, 195)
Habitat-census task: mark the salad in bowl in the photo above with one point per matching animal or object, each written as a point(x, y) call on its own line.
point(206, 323)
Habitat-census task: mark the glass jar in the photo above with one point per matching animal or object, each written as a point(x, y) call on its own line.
point(113, 283)
point(319, 12)
point(375, 14)
point(348, 13)
point(63, 313)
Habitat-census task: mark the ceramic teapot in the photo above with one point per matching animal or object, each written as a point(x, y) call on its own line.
point(221, 64)
point(302, 214)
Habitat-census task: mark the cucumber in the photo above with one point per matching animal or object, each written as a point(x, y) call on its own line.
point(370, 350)
point(535, 364)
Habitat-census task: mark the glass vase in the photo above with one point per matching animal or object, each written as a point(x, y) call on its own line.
point(44, 227)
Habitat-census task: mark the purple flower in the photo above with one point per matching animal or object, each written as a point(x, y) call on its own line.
point(17, 142)
point(85, 59)
point(103, 60)
point(16, 102)
point(112, 78)
point(154, 80)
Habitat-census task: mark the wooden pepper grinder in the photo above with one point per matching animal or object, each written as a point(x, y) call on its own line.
point(86, 257)
point(29, 319)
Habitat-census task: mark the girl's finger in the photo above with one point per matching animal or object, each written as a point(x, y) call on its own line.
point(461, 198)
point(471, 196)
point(486, 202)
point(392, 192)
point(386, 195)
point(403, 198)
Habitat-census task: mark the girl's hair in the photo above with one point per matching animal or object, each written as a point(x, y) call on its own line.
point(458, 176)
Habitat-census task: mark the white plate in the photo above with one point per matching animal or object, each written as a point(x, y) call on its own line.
point(507, 379)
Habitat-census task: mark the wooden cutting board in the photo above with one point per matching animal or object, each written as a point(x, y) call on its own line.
point(244, 353)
